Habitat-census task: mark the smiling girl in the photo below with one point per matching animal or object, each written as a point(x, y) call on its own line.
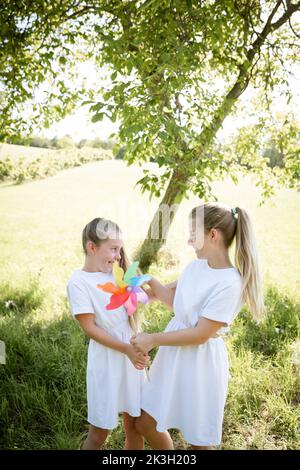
point(114, 368)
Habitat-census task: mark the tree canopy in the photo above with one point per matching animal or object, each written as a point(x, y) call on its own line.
point(177, 69)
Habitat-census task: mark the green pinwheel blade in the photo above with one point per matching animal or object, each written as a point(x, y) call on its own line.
point(131, 272)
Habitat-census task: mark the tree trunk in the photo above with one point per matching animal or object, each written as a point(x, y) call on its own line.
point(161, 222)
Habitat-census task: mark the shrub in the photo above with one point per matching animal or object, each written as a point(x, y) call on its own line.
point(21, 169)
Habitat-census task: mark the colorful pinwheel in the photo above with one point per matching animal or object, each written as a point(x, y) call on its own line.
point(127, 290)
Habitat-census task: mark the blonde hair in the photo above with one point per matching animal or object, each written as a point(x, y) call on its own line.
point(236, 224)
point(98, 231)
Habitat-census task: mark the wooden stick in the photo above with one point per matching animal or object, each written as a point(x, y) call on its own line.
point(136, 333)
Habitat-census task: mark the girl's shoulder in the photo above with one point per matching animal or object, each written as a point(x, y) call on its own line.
point(199, 268)
point(84, 277)
point(75, 276)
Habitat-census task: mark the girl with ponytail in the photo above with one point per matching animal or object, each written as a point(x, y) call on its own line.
point(189, 376)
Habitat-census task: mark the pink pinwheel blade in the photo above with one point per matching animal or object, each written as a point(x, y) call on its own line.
point(117, 300)
point(131, 303)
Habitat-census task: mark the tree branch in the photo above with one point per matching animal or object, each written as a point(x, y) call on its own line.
point(264, 33)
point(245, 71)
point(292, 8)
point(83, 11)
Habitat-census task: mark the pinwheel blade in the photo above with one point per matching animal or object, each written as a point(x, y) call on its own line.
point(117, 300)
point(131, 272)
point(109, 287)
point(118, 274)
point(131, 303)
point(142, 296)
point(139, 280)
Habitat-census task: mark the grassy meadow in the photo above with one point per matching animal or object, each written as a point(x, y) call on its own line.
point(42, 384)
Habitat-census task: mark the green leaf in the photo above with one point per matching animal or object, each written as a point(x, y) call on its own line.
point(62, 60)
point(86, 102)
point(97, 117)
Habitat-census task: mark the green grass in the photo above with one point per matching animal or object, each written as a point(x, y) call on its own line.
point(42, 385)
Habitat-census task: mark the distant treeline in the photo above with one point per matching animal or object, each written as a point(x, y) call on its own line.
point(274, 157)
point(65, 142)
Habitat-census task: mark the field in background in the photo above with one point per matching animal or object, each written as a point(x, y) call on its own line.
point(19, 164)
point(42, 222)
point(17, 151)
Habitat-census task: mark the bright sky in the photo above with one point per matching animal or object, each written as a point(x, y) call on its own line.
point(79, 125)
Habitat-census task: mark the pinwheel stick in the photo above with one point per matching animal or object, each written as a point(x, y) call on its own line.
point(135, 329)
point(134, 326)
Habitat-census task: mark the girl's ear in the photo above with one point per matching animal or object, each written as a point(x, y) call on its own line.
point(90, 247)
point(214, 234)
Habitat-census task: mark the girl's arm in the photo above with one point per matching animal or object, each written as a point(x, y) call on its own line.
point(172, 285)
point(193, 336)
point(87, 323)
point(163, 293)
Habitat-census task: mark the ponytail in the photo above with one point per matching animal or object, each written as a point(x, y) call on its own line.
point(248, 264)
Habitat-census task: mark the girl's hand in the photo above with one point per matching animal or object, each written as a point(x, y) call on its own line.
point(138, 359)
point(143, 342)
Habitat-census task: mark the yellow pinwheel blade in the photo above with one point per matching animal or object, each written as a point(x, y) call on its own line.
point(118, 274)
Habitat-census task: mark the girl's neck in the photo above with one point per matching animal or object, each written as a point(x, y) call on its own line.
point(90, 267)
point(217, 260)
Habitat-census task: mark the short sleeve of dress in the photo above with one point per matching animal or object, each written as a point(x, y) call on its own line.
point(224, 305)
point(79, 299)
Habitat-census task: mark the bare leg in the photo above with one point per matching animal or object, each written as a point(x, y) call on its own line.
point(133, 440)
point(95, 439)
point(146, 426)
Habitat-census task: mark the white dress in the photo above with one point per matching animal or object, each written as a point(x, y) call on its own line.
point(113, 383)
point(188, 384)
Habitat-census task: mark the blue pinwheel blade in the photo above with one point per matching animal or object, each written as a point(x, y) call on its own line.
point(139, 280)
